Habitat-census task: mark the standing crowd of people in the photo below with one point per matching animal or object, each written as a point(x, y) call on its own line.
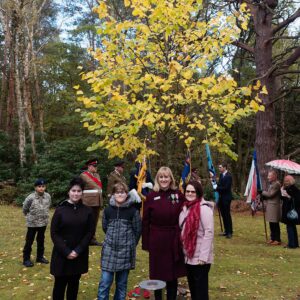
point(177, 228)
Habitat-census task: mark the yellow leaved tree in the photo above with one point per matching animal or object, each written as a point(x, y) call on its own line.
point(153, 82)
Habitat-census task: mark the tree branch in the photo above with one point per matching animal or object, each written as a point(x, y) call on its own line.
point(286, 22)
point(284, 94)
point(286, 37)
point(294, 153)
point(243, 46)
point(292, 59)
point(287, 72)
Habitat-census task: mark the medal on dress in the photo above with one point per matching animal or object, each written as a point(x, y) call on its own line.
point(173, 198)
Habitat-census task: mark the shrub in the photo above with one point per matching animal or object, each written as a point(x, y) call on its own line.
point(58, 164)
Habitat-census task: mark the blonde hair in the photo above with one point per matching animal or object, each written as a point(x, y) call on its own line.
point(164, 171)
point(288, 179)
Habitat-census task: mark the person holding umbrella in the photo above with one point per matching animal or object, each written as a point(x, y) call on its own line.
point(291, 199)
point(273, 207)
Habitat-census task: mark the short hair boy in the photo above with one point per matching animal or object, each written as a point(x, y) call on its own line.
point(36, 209)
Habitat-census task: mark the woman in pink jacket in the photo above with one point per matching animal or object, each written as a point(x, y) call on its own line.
point(197, 224)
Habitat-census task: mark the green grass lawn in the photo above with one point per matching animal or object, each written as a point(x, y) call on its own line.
point(245, 267)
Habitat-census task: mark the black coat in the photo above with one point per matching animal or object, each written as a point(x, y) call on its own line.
point(71, 229)
point(287, 204)
point(224, 187)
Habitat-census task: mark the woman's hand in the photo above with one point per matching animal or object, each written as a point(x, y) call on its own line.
point(201, 262)
point(284, 193)
point(72, 255)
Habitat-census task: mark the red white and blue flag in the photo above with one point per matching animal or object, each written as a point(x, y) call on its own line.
point(253, 185)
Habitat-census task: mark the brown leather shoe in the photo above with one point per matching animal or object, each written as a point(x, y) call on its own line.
point(270, 242)
point(275, 243)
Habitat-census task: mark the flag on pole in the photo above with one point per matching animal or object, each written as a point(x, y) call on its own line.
point(186, 172)
point(141, 176)
point(212, 172)
point(253, 184)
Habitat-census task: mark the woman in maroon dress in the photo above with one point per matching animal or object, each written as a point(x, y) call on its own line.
point(161, 233)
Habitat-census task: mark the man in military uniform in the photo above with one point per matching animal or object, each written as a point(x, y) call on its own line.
point(92, 194)
point(115, 176)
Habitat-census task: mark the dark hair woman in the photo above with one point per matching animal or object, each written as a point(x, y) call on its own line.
point(71, 232)
point(197, 223)
point(290, 196)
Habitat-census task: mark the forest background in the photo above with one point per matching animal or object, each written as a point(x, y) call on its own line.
point(43, 43)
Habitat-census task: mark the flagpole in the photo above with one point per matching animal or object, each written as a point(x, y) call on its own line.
point(213, 176)
point(220, 218)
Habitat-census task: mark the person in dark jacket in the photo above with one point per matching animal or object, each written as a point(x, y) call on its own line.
point(290, 199)
point(72, 228)
point(224, 190)
point(121, 223)
point(161, 232)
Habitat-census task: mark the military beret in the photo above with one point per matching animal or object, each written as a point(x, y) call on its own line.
point(119, 163)
point(93, 161)
point(40, 181)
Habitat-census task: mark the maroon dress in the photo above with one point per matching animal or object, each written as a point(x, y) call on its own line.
point(161, 235)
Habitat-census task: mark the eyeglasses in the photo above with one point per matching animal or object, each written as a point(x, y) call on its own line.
point(191, 192)
point(120, 192)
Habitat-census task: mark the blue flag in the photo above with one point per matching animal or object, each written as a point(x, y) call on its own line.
point(212, 172)
point(186, 172)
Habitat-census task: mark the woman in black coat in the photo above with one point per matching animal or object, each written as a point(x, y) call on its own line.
point(71, 232)
point(290, 199)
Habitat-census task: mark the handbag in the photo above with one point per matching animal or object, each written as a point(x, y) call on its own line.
point(292, 214)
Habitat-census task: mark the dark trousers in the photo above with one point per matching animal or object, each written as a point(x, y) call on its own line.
point(96, 213)
point(40, 238)
point(275, 231)
point(198, 281)
point(171, 291)
point(292, 236)
point(61, 283)
point(226, 216)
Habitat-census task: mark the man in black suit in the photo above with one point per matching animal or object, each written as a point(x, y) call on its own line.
point(224, 189)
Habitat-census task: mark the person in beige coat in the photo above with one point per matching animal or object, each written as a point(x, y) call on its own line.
point(92, 193)
point(273, 207)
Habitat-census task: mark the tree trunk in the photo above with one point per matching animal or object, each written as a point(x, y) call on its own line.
point(27, 97)
point(4, 67)
point(20, 105)
point(265, 142)
point(39, 100)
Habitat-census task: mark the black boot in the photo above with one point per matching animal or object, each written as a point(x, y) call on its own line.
point(42, 260)
point(28, 263)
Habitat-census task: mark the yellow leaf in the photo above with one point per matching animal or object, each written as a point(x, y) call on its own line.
point(127, 3)
point(264, 90)
point(244, 25)
point(188, 74)
point(76, 87)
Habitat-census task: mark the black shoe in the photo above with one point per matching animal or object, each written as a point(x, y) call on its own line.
point(223, 234)
point(229, 236)
point(28, 263)
point(95, 243)
point(42, 260)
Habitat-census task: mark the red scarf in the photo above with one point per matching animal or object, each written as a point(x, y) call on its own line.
point(96, 180)
point(191, 226)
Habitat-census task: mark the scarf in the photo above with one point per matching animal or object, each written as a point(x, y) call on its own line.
point(191, 226)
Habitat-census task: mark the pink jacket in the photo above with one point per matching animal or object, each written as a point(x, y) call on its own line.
point(205, 234)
